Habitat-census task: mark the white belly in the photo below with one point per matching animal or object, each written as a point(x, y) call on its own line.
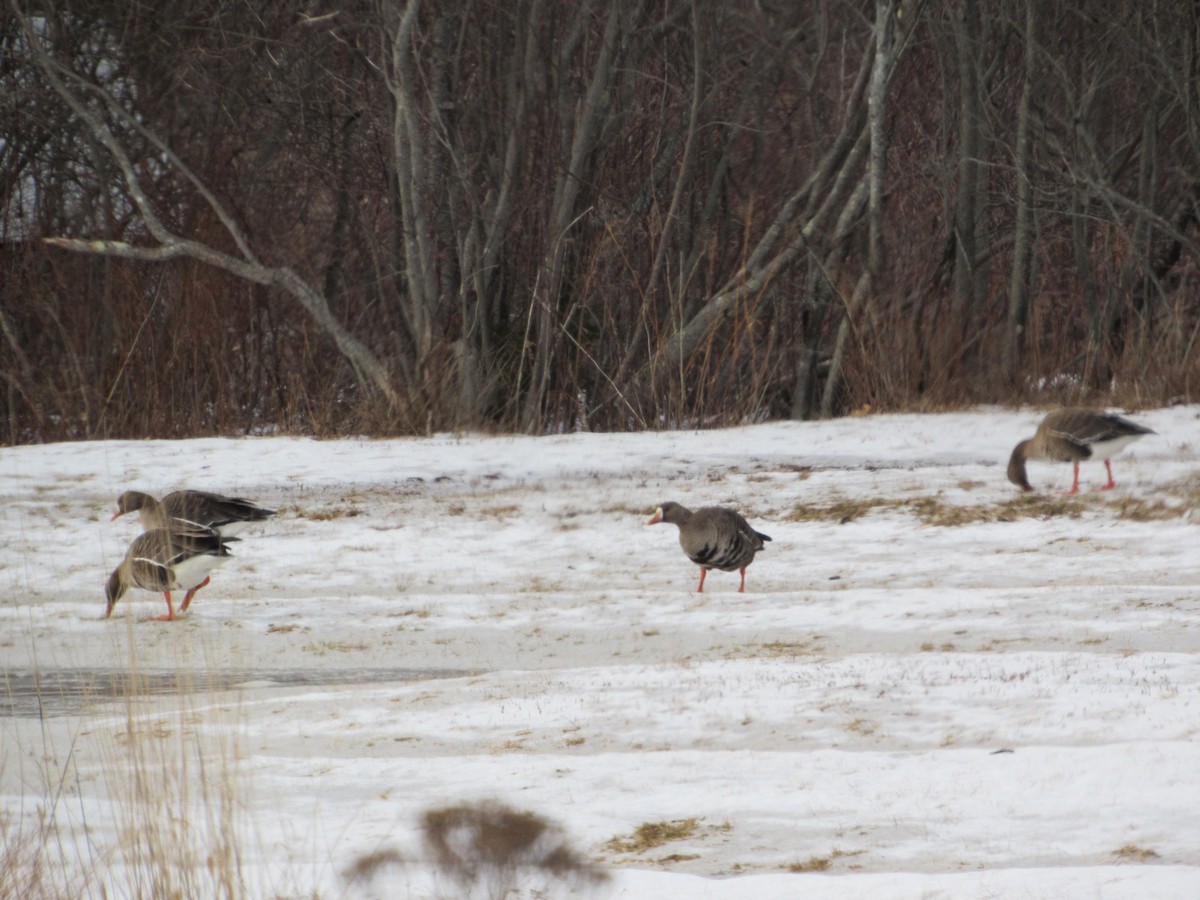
point(1109, 449)
point(194, 570)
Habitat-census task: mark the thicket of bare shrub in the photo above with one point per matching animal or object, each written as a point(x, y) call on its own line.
point(609, 214)
point(490, 850)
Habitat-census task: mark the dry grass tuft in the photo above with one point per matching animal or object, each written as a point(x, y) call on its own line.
point(840, 511)
point(329, 513)
point(1134, 853)
point(933, 510)
point(31, 866)
point(175, 800)
point(370, 865)
point(644, 510)
point(819, 863)
point(503, 511)
point(1040, 506)
point(177, 790)
point(812, 864)
point(787, 648)
point(654, 834)
point(1140, 509)
point(492, 848)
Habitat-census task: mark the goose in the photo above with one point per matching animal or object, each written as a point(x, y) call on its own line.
point(226, 515)
point(713, 538)
point(168, 559)
point(1073, 435)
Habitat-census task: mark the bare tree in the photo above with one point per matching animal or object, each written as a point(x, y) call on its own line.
point(74, 91)
point(607, 214)
point(970, 275)
point(1020, 282)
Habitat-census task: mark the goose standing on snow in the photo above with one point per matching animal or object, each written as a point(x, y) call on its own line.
point(1073, 435)
point(713, 538)
point(226, 515)
point(179, 558)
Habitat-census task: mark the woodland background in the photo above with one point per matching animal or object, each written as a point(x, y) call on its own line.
point(388, 218)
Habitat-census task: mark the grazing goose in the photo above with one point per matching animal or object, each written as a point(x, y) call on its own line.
point(226, 515)
point(713, 538)
point(1073, 435)
point(168, 559)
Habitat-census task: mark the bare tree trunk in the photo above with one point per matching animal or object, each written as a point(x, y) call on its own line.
point(587, 128)
point(695, 240)
point(821, 300)
point(367, 366)
point(1095, 357)
point(420, 257)
point(885, 13)
point(799, 219)
point(486, 239)
point(968, 223)
point(26, 376)
point(875, 179)
point(683, 175)
point(1020, 282)
point(1137, 277)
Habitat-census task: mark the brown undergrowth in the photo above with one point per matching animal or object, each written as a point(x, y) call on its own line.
point(935, 510)
point(490, 849)
point(649, 835)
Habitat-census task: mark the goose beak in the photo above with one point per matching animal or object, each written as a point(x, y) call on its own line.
point(115, 516)
point(656, 518)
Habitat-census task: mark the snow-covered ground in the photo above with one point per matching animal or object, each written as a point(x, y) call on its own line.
point(931, 688)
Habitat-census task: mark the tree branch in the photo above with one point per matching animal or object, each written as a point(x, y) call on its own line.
point(367, 366)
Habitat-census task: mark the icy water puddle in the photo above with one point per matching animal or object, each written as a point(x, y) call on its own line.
point(59, 692)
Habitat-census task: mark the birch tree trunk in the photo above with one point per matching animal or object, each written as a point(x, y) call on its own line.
point(875, 180)
point(412, 188)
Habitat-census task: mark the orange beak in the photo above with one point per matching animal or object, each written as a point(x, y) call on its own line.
point(656, 518)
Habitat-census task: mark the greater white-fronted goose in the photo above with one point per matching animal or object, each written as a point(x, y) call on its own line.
point(713, 538)
point(1073, 435)
point(168, 559)
point(227, 515)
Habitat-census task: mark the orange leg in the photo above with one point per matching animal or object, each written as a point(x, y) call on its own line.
point(190, 594)
point(1111, 484)
point(170, 616)
point(1075, 485)
point(700, 590)
point(742, 587)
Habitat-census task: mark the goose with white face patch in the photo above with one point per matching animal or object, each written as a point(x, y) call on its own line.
point(713, 538)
